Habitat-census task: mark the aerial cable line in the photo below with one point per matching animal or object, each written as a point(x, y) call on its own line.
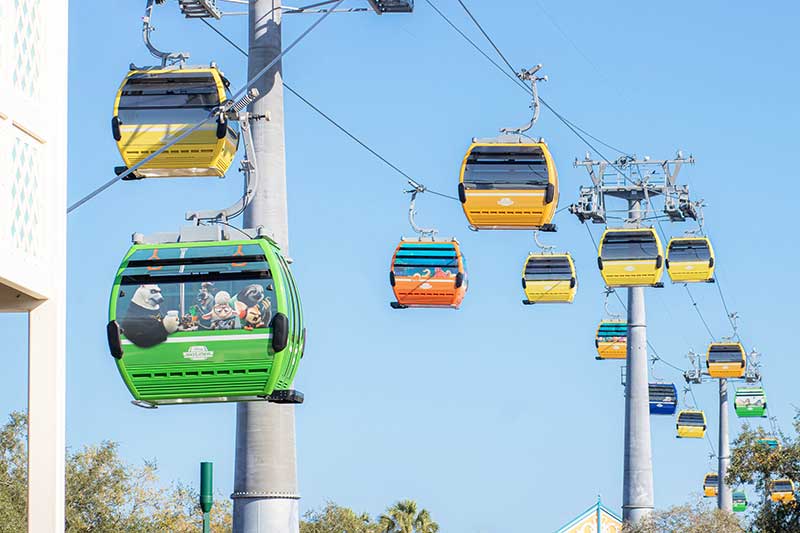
point(625, 307)
point(339, 126)
point(513, 76)
point(708, 437)
point(563, 119)
point(686, 286)
point(496, 49)
point(211, 116)
point(696, 308)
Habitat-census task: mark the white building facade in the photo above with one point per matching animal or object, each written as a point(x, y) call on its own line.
point(33, 197)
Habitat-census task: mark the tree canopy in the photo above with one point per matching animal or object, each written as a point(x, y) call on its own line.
point(402, 517)
point(103, 493)
point(754, 463)
point(696, 517)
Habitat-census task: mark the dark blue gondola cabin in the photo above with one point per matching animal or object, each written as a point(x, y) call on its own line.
point(663, 398)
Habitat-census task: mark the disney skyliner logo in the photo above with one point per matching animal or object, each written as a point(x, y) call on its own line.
point(198, 353)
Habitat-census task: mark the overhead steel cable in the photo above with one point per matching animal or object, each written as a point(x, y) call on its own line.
point(364, 145)
point(686, 286)
point(625, 307)
point(700, 314)
point(513, 76)
point(574, 128)
point(337, 125)
point(708, 437)
point(566, 122)
point(211, 116)
point(491, 42)
point(224, 37)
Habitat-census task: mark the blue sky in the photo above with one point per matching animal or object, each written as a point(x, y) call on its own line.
point(496, 403)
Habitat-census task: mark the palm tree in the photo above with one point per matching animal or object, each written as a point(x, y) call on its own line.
point(424, 523)
point(403, 517)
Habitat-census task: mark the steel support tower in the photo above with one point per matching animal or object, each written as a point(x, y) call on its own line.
point(697, 376)
point(724, 499)
point(635, 181)
point(265, 494)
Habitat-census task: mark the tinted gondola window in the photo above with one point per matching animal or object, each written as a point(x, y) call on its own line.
point(437, 261)
point(684, 251)
point(782, 486)
point(172, 290)
point(691, 419)
point(662, 393)
point(503, 167)
point(620, 245)
point(750, 397)
point(725, 354)
point(711, 481)
point(173, 99)
point(548, 268)
point(613, 330)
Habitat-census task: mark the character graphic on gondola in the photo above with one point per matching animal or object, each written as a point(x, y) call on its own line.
point(223, 314)
point(253, 306)
point(143, 323)
point(204, 304)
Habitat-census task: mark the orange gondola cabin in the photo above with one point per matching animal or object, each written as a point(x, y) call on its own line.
point(428, 273)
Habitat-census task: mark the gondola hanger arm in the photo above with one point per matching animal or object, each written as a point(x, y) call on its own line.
point(148, 28)
point(545, 248)
point(248, 166)
point(530, 76)
point(422, 232)
point(614, 316)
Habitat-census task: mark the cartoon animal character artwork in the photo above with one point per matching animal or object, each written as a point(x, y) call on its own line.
point(440, 273)
point(143, 323)
point(422, 273)
point(204, 303)
point(223, 314)
point(187, 323)
point(250, 296)
point(259, 315)
point(253, 306)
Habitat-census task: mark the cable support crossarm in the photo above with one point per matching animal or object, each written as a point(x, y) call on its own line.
point(211, 116)
point(335, 123)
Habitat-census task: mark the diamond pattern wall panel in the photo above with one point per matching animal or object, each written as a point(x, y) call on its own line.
point(26, 202)
point(27, 46)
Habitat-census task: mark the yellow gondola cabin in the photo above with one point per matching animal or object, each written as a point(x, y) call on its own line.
point(508, 185)
point(782, 490)
point(726, 360)
point(691, 424)
point(630, 257)
point(549, 278)
point(154, 106)
point(690, 260)
point(611, 339)
point(711, 485)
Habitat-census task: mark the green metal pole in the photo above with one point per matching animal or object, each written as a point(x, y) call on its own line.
point(206, 493)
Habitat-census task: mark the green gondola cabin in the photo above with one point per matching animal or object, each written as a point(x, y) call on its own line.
point(203, 322)
point(750, 402)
